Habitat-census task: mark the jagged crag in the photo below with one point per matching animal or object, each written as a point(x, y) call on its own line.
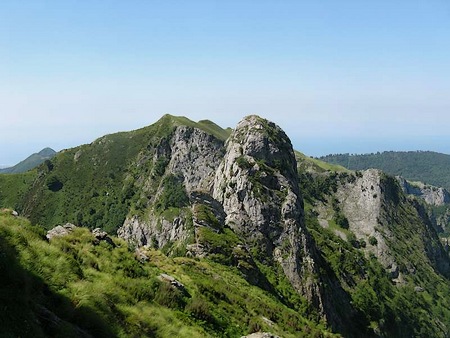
point(324, 250)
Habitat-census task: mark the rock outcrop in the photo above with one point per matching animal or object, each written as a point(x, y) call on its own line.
point(257, 184)
point(190, 158)
point(261, 335)
point(383, 219)
point(430, 194)
point(60, 231)
point(361, 202)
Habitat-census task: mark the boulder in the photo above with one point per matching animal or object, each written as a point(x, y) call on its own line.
point(60, 231)
point(101, 235)
point(261, 335)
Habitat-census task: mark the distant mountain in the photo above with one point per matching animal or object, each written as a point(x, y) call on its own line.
point(30, 162)
point(424, 166)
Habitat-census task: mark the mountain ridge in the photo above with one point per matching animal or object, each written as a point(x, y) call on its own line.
point(286, 224)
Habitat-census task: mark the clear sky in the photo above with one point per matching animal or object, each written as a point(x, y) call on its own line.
point(338, 76)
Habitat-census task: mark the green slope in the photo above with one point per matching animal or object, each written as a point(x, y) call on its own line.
point(310, 164)
point(73, 283)
point(425, 166)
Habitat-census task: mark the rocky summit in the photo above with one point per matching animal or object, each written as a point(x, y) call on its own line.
point(223, 233)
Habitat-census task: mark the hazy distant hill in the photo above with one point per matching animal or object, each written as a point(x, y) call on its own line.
point(425, 166)
point(30, 162)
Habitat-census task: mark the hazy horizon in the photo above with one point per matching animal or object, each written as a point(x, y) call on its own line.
point(338, 77)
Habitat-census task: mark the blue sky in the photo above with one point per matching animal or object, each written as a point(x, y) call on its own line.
point(338, 76)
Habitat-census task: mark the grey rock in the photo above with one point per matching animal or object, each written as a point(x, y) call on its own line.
point(193, 155)
point(15, 213)
point(155, 232)
point(60, 231)
point(257, 184)
point(101, 235)
point(141, 255)
point(393, 271)
point(261, 335)
point(172, 281)
point(196, 250)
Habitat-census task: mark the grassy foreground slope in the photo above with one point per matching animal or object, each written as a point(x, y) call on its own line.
point(75, 286)
point(424, 166)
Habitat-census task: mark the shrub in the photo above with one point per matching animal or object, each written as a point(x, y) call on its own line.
point(169, 296)
point(54, 184)
point(341, 220)
point(243, 163)
point(199, 309)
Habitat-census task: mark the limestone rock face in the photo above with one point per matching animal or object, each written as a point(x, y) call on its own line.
point(191, 155)
point(361, 202)
point(195, 155)
point(257, 184)
point(155, 232)
point(383, 218)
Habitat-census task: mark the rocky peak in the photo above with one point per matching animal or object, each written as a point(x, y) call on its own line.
point(257, 184)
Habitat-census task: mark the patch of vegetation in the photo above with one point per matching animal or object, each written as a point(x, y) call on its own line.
point(173, 194)
point(14, 187)
point(220, 244)
point(340, 219)
point(373, 241)
point(205, 214)
point(311, 164)
point(243, 163)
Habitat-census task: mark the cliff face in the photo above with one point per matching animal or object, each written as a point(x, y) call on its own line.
point(188, 160)
point(386, 223)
